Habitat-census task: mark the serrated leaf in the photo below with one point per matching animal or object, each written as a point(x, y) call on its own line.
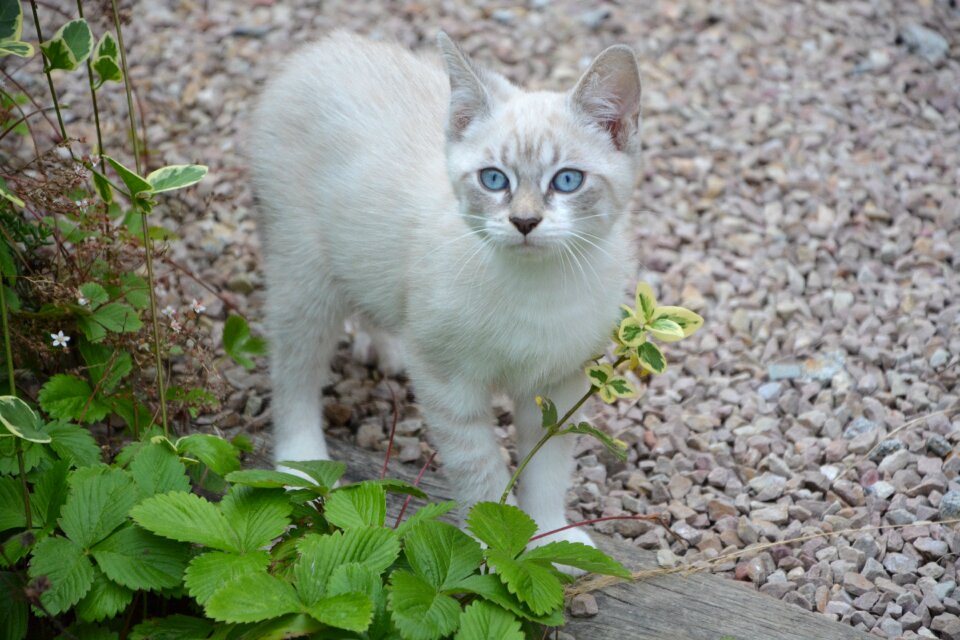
point(95, 294)
point(209, 571)
point(175, 627)
point(599, 374)
point(374, 548)
point(19, 420)
point(490, 588)
point(534, 584)
point(140, 560)
point(13, 607)
point(631, 332)
point(441, 553)
point(69, 571)
point(135, 290)
point(576, 554)
point(216, 453)
point(257, 516)
point(548, 412)
point(252, 597)
point(419, 611)
point(118, 317)
point(483, 621)
point(326, 473)
point(49, 493)
point(666, 330)
point(92, 330)
point(359, 505)
point(177, 176)
point(616, 447)
point(67, 397)
point(646, 301)
point(74, 444)
point(350, 611)
point(651, 358)
point(188, 518)
point(104, 600)
point(393, 485)
point(157, 469)
point(688, 321)
point(354, 577)
point(294, 625)
point(69, 46)
point(238, 343)
point(134, 183)
point(426, 512)
point(99, 500)
point(18, 546)
point(106, 366)
point(501, 526)
point(12, 515)
point(267, 479)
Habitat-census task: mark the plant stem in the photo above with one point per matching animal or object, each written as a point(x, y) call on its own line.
point(46, 71)
point(126, 86)
point(655, 517)
point(28, 512)
point(552, 431)
point(93, 97)
point(8, 354)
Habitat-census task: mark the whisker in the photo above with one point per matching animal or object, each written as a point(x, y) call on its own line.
point(591, 243)
point(448, 242)
point(586, 259)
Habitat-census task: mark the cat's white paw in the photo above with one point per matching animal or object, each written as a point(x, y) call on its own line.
point(576, 534)
point(380, 349)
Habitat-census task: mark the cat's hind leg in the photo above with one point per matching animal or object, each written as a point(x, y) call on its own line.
point(374, 346)
point(303, 328)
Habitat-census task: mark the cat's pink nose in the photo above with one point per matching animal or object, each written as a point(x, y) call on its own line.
point(525, 225)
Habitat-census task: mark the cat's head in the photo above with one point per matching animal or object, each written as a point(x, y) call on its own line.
point(537, 172)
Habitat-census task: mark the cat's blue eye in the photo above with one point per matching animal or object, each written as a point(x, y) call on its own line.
point(567, 180)
point(494, 179)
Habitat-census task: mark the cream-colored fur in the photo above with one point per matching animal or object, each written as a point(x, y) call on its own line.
point(365, 162)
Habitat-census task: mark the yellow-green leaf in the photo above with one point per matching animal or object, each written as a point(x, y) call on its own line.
point(19, 420)
point(651, 358)
point(688, 320)
point(621, 387)
point(69, 46)
point(16, 48)
point(9, 195)
point(646, 301)
point(631, 332)
point(666, 330)
point(599, 374)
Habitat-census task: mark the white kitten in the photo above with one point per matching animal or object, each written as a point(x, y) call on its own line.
point(482, 225)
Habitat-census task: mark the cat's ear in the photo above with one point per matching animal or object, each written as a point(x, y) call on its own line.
point(469, 98)
point(609, 95)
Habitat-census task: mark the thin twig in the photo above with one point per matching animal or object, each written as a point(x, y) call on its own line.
point(46, 71)
point(416, 483)
point(393, 430)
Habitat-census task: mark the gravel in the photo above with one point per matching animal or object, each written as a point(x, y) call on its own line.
point(799, 190)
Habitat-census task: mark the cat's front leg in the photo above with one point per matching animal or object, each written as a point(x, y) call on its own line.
point(543, 485)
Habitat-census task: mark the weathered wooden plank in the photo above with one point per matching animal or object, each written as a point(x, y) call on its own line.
point(670, 607)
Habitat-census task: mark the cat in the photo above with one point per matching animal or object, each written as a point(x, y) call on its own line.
point(482, 229)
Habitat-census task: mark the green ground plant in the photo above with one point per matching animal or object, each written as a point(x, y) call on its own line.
point(113, 526)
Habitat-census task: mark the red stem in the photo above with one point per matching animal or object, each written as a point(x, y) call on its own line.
point(416, 482)
point(393, 430)
point(655, 517)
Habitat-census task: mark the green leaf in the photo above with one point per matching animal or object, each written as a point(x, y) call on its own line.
point(134, 183)
point(74, 444)
point(483, 621)
point(89, 631)
point(267, 479)
point(95, 294)
point(177, 176)
point(13, 606)
point(209, 571)
point(105, 62)
point(393, 485)
point(501, 526)
point(324, 472)
point(21, 49)
point(359, 505)
point(102, 187)
point(616, 447)
point(651, 358)
point(490, 588)
point(157, 469)
point(257, 516)
point(616, 387)
point(646, 301)
point(175, 627)
point(135, 290)
point(350, 611)
point(216, 453)
point(188, 518)
point(534, 584)
point(140, 560)
point(441, 553)
point(238, 343)
point(118, 317)
point(18, 546)
point(599, 374)
point(11, 20)
point(548, 412)
point(19, 420)
point(419, 611)
point(631, 332)
point(688, 321)
point(427, 512)
point(294, 625)
point(12, 515)
point(68, 570)
point(5, 192)
point(69, 46)
point(99, 500)
point(576, 554)
point(666, 330)
point(252, 597)
point(49, 493)
point(67, 397)
point(92, 330)
point(106, 366)
point(104, 600)
point(373, 548)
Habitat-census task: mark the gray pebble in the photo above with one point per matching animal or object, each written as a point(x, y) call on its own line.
point(950, 505)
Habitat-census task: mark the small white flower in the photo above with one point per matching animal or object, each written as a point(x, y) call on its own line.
point(82, 204)
point(197, 307)
point(82, 301)
point(176, 326)
point(60, 340)
point(169, 311)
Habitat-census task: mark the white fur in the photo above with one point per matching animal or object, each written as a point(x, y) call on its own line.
point(365, 193)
